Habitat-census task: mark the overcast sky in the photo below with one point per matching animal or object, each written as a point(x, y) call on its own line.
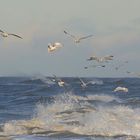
point(114, 23)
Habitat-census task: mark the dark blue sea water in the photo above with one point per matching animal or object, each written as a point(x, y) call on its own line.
point(40, 109)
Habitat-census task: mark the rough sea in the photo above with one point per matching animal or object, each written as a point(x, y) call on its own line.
point(39, 109)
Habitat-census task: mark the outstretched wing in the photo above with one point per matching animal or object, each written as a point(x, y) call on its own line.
point(109, 57)
point(69, 34)
point(98, 66)
point(81, 81)
point(84, 37)
point(16, 35)
point(89, 82)
point(57, 45)
point(1, 31)
point(93, 58)
point(56, 78)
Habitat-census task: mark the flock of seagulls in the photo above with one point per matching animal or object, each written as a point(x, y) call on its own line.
point(54, 46)
point(83, 84)
point(100, 60)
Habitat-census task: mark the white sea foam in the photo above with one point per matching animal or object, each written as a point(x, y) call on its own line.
point(67, 113)
point(103, 97)
point(97, 82)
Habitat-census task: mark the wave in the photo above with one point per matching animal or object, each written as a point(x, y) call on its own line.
point(97, 82)
point(75, 114)
point(38, 80)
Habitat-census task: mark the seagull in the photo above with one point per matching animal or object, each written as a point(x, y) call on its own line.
point(120, 65)
point(101, 59)
point(83, 84)
point(77, 39)
point(94, 66)
point(5, 34)
point(53, 46)
point(134, 73)
point(122, 89)
point(60, 82)
point(93, 58)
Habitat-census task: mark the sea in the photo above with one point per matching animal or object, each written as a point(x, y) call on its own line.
point(39, 109)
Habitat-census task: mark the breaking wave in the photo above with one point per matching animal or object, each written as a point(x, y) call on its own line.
point(69, 113)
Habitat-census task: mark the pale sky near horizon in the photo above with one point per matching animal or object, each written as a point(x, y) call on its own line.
point(114, 23)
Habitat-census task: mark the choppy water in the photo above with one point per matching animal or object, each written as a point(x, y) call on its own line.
point(38, 109)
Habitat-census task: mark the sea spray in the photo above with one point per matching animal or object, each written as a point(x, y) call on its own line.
point(70, 113)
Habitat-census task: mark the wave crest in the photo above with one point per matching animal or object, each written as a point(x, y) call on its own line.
point(74, 114)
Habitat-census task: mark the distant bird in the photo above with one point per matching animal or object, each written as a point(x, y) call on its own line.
point(101, 59)
point(93, 58)
point(122, 89)
point(120, 65)
point(134, 73)
point(94, 66)
point(83, 84)
point(5, 34)
point(77, 39)
point(54, 46)
point(59, 81)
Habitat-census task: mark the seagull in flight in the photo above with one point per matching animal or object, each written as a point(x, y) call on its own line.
point(77, 39)
point(83, 84)
point(59, 81)
point(101, 59)
point(54, 46)
point(94, 66)
point(5, 34)
point(134, 73)
point(120, 65)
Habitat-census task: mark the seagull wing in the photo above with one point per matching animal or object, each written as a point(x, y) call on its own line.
point(94, 66)
point(89, 82)
point(56, 78)
point(82, 81)
point(16, 35)
point(57, 45)
point(69, 34)
point(84, 37)
point(1, 31)
point(109, 57)
point(92, 58)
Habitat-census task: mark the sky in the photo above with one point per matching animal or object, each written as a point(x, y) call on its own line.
point(115, 25)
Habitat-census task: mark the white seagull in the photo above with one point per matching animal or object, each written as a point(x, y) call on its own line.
point(5, 34)
point(122, 89)
point(83, 84)
point(101, 59)
point(77, 39)
point(60, 82)
point(53, 46)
